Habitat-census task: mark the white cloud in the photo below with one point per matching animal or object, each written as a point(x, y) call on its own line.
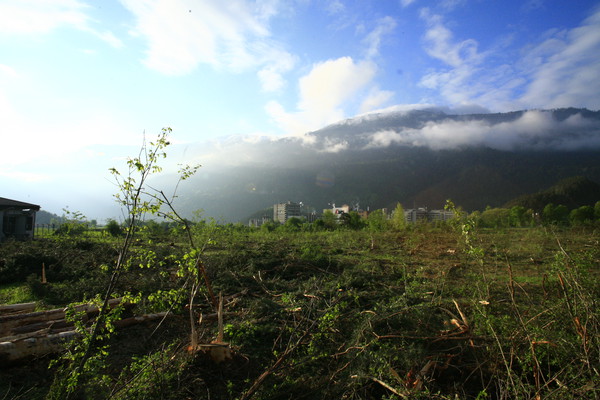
point(533, 130)
point(8, 71)
point(396, 108)
point(565, 69)
point(451, 4)
point(56, 142)
point(109, 38)
point(265, 9)
point(461, 82)
point(561, 71)
point(375, 99)
point(440, 44)
point(386, 138)
point(385, 26)
point(291, 123)
point(335, 7)
point(19, 176)
point(323, 93)
point(40, 16)
point(183, 34)
point(277, 63)
point(406, 3)
point(532, 5)
point(34, 17)
point(407, 108)
point(330, 83)
point(270, 79)
point(330, 146)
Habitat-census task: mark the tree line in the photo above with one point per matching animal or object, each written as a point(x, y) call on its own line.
point(378, 220)
point(551, 214)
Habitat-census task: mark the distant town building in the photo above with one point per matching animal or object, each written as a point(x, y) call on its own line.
point(440, 215)
point(364, 214)
point(415, 215)
point(17, 219)
point(311, 216)
point(338, 211)
point(257, 222)
point(284, 211)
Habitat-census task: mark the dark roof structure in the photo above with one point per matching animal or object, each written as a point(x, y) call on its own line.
point(6, 204)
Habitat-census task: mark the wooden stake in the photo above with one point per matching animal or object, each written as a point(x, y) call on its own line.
point(44, 273)
point(220, 318)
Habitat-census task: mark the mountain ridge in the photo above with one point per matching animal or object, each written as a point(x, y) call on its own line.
point(478, 160)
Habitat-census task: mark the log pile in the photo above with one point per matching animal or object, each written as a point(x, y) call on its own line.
point(25, 333)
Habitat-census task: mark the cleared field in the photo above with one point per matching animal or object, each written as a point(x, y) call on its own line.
point(425, 312)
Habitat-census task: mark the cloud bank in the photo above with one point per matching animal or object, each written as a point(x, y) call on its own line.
point(533, 130)
point(563, 130)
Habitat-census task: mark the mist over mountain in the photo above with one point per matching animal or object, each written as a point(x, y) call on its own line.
point(561, 129)
point(418, 157)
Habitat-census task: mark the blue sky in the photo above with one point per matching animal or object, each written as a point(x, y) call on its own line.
point(81, 81)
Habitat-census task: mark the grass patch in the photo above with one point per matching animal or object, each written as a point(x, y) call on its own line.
point(15, 293)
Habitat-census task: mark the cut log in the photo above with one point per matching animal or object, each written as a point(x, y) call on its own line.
point(139, 319)
point(9, 322)
point(40, 333)
point(17, 308)
point(54, 324)
point(41, 342)
point(19, 349)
